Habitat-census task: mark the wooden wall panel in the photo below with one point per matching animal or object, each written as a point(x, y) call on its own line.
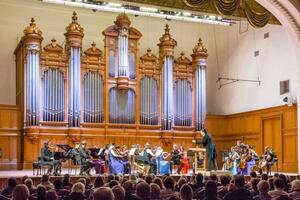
point(10, 137)
point(255, 128)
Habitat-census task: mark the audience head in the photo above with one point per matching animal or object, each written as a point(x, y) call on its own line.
point(254, 182)
point(104, 193)
point(113, 183)
point(180, 182)
point(41, 192)
point(28, 182)
point(45, 178)
point(210, 189)
point(264, 177)
point(271, 183)
point(143, 190)
point(239, 181)
point(98, 182)
point(169, 183)
point(154, 191)
point(279, 184)
point(12, 182)
point(148, 179)
point(51, 195)
point(82, 180)
point(57, 184)
point(159, 182)
point(263, 187)
point(78, 187)
point(119, 192)
point(296, 185)
point(128, 187)
point(213, 177)
point(24, 178)
point(186, 192)
point(225, 180)
point(110, 177)
point(253, 174)
point(20, 192)
point(199, 179)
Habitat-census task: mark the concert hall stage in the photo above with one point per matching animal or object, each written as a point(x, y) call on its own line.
point(18, 174)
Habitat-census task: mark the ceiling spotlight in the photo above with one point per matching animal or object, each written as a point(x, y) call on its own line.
point(186, 14)
point(116, 5)
point(147, 9)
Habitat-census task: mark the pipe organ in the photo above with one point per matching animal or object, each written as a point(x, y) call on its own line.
point(110, 90)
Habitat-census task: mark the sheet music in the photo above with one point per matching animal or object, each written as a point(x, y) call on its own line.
point(132, 151)
point(158, 152)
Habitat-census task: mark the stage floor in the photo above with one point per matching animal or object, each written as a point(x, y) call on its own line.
point(28, 172)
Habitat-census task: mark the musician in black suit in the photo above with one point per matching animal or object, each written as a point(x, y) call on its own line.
point(85, 165)
point(176, 156)
point(48, 159)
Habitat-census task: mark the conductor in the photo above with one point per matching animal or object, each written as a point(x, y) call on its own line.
point(211, 153)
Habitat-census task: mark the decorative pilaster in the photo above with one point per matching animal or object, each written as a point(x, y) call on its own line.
point(199, 62)
point(166, 60)
point(74, 37)
point(32, 41)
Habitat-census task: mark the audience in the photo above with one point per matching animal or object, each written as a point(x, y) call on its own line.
point(295, 194)
point(104, 193)
point(119, 192)
point(279, 189)
point(11, 184)
point(240, 193)
point(46, 182)
point(263, 188)
point(151, 187)
point(169, 192)
point(20, 192)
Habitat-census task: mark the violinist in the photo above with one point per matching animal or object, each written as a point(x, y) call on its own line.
point(176, 155)
point(115, 160)
point(126, 163)
point(149, 158)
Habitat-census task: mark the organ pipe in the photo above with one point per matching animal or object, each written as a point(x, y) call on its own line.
point(183, 103)
point(74, 87)
point(199, 61)
point(148, 101)
point(93, 98)
point(32, 91)
point(167, 93)
point(53, 92)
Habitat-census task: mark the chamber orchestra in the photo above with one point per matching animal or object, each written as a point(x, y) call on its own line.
point(150, 159)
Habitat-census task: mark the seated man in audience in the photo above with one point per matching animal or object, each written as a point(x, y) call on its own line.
point(103, 193)
point(240, 193)
point(28, 182)
point(46, 183)
point(20, 192)
point(169, 191)
point(222, 190)
point(279, 189)
point(11, 184)
point(295, 194)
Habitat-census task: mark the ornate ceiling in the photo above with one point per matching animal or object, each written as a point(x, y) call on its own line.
point(234, 9)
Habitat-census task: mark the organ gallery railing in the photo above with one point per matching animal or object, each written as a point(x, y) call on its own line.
point(68, 87)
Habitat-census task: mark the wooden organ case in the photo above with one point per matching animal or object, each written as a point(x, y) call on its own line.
point(67, 94)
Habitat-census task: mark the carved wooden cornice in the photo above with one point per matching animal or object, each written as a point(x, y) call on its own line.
point(149, 64)
point(235, 9)
point(182, 68)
